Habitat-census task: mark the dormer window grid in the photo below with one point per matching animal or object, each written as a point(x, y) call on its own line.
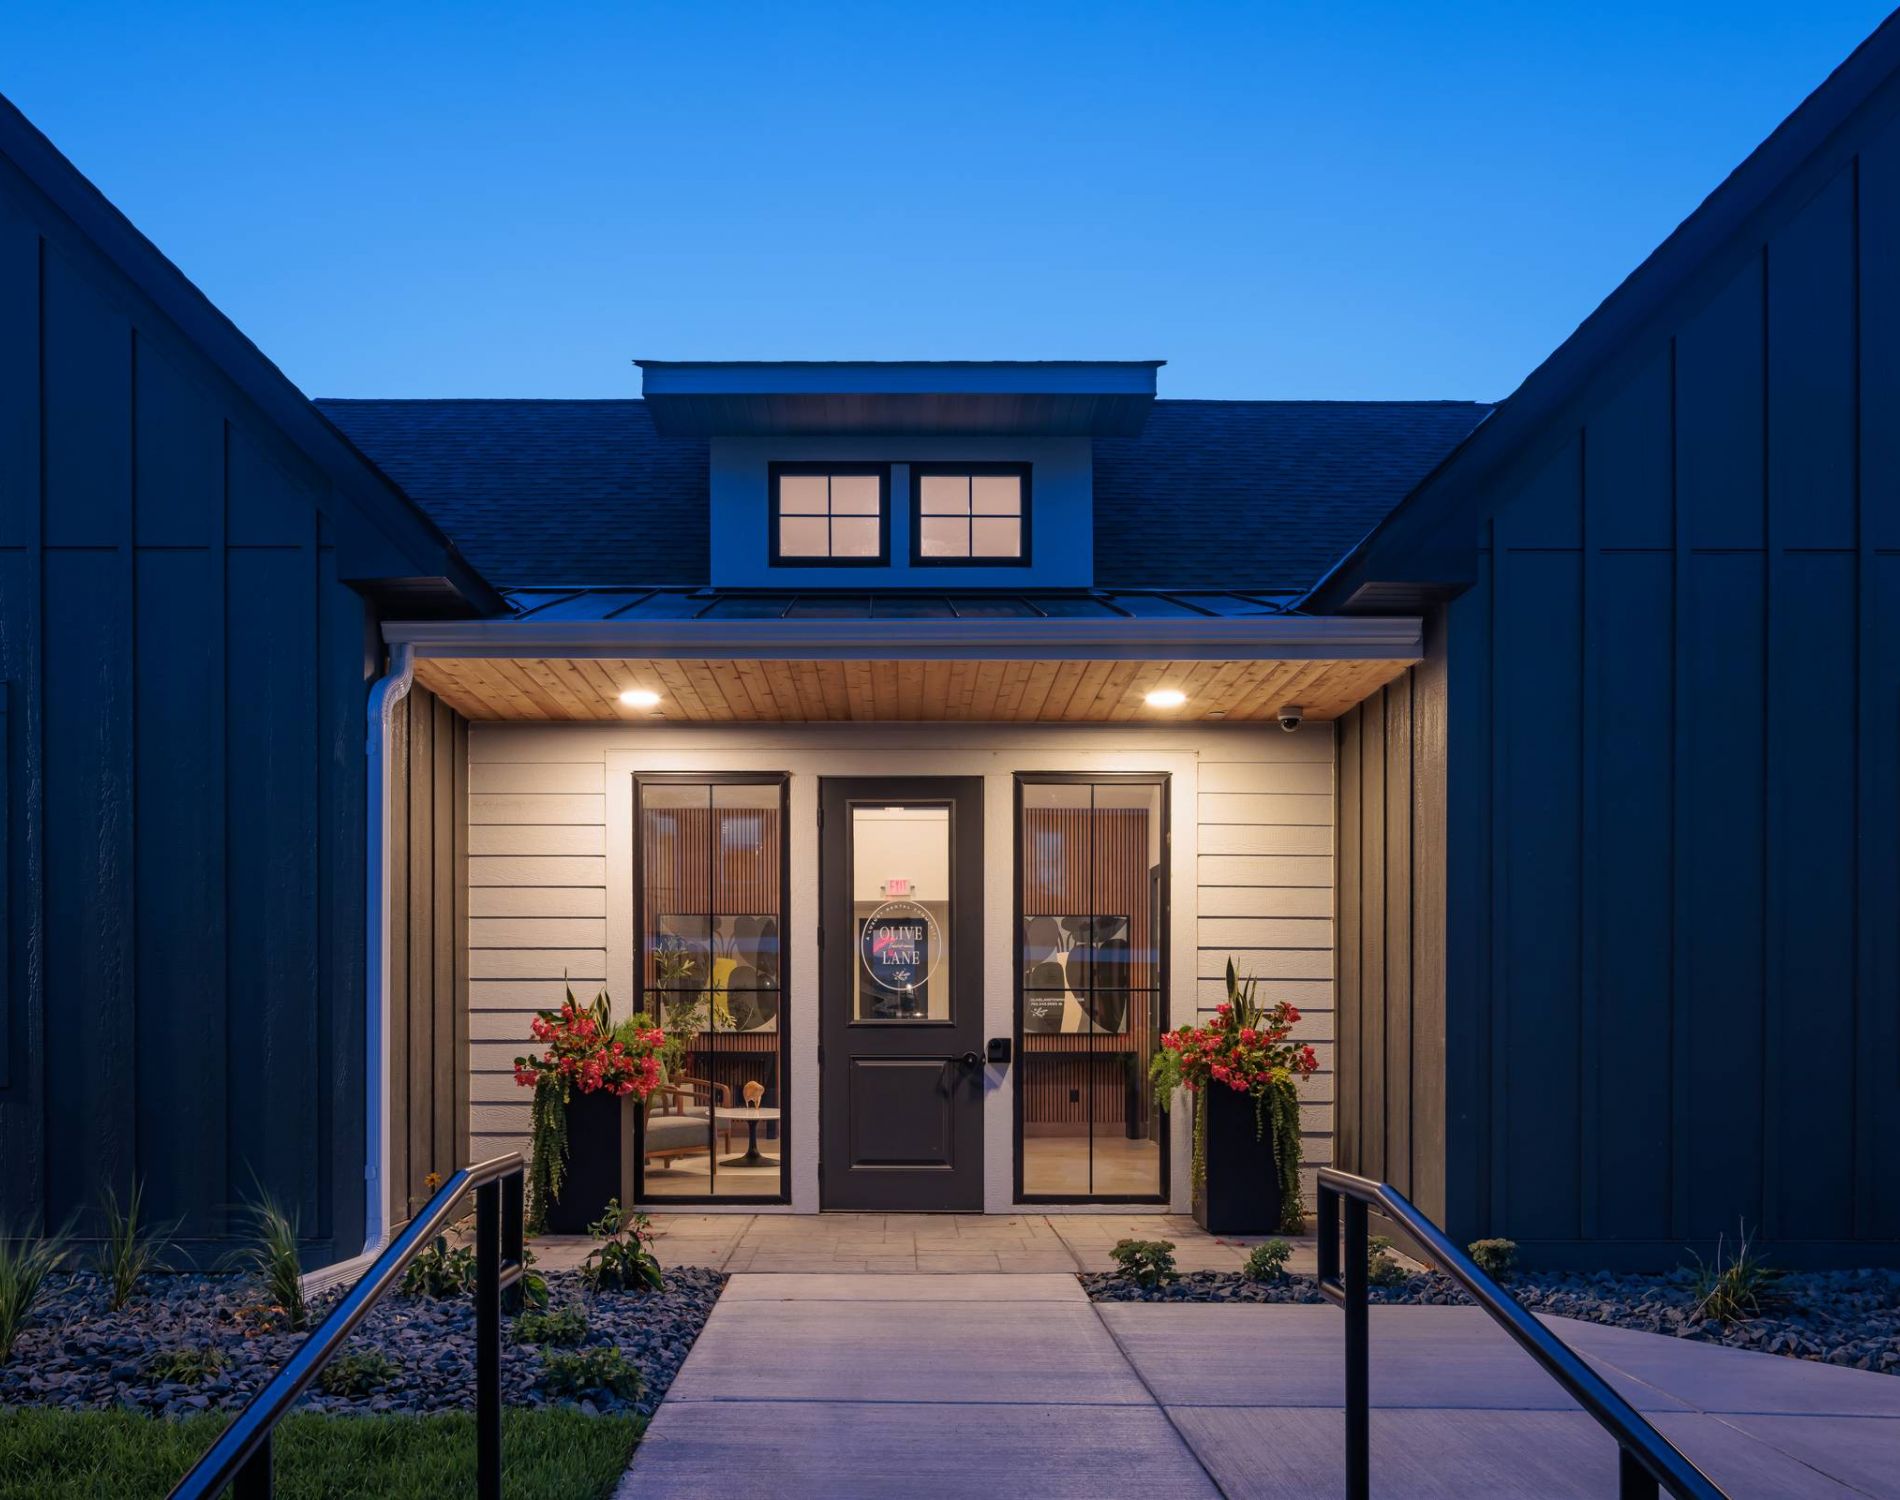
point(830, 514)
point(969, 515)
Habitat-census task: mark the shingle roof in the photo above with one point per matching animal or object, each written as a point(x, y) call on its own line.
point(1266, 493)
point(1262, 495)
point(547, 492)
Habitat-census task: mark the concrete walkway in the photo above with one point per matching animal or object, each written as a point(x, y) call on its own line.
point(828, 1384)
point(915, 1385)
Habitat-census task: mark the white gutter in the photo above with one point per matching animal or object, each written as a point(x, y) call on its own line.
point(384, 694)
point(1213, 638)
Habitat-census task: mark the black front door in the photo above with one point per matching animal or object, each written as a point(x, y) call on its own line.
point(901, 992)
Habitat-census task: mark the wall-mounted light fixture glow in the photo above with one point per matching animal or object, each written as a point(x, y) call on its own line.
point(640, 698)
point(1166, 698)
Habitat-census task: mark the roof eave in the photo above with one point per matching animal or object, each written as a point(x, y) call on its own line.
point(1273, 637)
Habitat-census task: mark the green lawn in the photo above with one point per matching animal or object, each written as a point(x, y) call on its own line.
point(547, 1455)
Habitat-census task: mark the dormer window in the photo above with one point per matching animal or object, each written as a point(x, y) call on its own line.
point(837, 515)
point(969, 514)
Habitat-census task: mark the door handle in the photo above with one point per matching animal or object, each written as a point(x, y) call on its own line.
point(972, 1060)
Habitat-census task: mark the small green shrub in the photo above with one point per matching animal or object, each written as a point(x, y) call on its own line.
point(1734, 1287)
point(622, 1261)
point(1382, 1266)
point(561, 1325)
point(1146, 1262)
point(533, 1286)
point(271, 1257)
point(187, 1366)
point(1496, 1258)
point(585, 1372)
point(1267, 1262)
point(440, 1271)
point(131, 1249)
point(25, 1263)
point(361, 1372)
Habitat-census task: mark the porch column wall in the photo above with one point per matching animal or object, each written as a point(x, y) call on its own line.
point(551, 882)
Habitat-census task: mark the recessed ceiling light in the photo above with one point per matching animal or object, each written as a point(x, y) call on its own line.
point(639, 698)
point(1166, 698)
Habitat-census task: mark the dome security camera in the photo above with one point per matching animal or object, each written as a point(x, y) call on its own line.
point(1290, 715)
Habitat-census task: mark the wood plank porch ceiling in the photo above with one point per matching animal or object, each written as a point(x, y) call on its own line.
point(762, 691)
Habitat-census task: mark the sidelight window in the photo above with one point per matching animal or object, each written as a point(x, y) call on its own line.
point(710, 857)
point(1092, 886)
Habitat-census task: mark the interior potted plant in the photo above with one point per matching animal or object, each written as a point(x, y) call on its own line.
point(1242, 1074)
point(587, 1082)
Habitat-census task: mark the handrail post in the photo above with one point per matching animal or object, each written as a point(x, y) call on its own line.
point(1358, 1355)
point(1633, 1481)
point(257, 1479)
point(513, 1244)
point(488, 1341)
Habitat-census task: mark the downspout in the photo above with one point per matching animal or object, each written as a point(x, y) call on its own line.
point(384, 694)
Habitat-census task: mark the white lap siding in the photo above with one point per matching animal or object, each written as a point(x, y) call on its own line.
point(1264, 884)
point(1257, 806)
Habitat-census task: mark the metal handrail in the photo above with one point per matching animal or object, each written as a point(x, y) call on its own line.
point(241, 1457)
point(1646, 1459)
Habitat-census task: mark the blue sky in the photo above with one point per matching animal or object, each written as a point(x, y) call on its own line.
point(1281, 200)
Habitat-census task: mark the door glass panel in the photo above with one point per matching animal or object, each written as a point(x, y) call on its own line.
point(901, 916)
point(1093, 888)
point(711, 918)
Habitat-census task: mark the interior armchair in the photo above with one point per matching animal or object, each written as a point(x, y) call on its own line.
point(680, 1119)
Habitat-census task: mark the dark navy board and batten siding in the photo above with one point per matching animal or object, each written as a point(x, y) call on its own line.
point(1674, 805)
point(1390, 1119)
point(184, 683)
point(428, 980)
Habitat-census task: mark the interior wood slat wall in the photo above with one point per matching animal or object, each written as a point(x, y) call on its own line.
point(1079, 861)
point(680, 875)
point(867, 691)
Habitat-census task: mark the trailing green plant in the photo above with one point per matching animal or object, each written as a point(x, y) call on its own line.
point(563, 1326)
point(441, 1270)
point(361, 1372)
point(25, 1263)
point(1497, 1258)
point(1734, 1286)
point(547, 1153)
point(1267, 1262)
point(1382, 1266)
point(187, 1366)
point(585, 1372)
point(1283, 1114)
point(1145, 1262)
point(270, 1256)
point(130, 1249)
point(1244, 1047)
point(624, 1259)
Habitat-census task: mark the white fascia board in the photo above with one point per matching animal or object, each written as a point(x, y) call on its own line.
point(1262, 638)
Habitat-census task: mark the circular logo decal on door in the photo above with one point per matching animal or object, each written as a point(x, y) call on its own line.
point(900, 946)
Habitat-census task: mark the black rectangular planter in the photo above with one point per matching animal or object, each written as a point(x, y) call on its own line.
point(1241, 1193)
point(599, 1160)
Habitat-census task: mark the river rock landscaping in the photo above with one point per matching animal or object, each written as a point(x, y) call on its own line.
point(193, 1343)
point(1838, 1317)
